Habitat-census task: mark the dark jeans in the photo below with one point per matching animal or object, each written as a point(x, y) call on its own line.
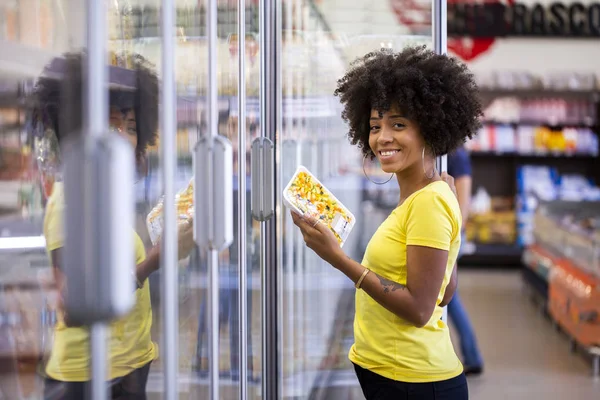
point(129, 387)
point(376, 387)
point(458, 315)
point(468, 341)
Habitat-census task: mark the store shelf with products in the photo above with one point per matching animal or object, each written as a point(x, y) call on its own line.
point(499, 83)
point(539, 141)
point(526, 157)
point(18, 192)
point(565, 256)
point(536, 93)
point(491, 232)
point(506, 198)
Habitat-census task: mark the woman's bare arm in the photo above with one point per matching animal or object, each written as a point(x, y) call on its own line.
point(414, 302)
point(142, 271)
point(451, 288)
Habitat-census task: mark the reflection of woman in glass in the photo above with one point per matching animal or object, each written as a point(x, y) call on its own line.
point(405, 109)
point(134, 115)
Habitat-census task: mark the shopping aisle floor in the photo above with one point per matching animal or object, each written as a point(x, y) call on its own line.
point(526, 358)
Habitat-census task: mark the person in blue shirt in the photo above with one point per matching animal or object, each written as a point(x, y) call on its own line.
point(459, 167)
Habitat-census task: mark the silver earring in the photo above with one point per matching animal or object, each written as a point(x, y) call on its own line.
point(371, 180)
point(424, 170)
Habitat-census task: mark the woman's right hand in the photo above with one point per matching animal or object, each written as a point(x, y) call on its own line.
point(185, 245)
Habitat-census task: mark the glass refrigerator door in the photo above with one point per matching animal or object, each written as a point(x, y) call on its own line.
point(206, 309)
point(188, 331)
point(318, 42)
point(33, 36)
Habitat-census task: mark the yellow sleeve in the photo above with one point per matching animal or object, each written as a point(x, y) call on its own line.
point(54, 232)
point(430, 221)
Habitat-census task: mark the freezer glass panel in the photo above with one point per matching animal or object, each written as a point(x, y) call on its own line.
point(319, 40)
point(32, 34)
point(191, 68)
point(41, 106)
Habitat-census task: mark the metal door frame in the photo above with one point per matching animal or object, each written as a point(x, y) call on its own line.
point(242, 221)
point(439, 33)
point(169, 256)
point(270, 78)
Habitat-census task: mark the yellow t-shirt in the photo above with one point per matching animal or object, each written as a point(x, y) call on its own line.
point(130, 345)
point(385, 343)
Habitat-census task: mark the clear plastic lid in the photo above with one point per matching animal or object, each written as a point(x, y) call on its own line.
point(305, 194)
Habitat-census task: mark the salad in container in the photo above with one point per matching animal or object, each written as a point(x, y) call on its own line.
point(184, 201)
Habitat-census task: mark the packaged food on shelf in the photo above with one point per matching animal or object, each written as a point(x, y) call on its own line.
point(544, 110)
point(547, 232)
point(569, 80)
point(491, 220)
point(32, 22)
point(571, 229)
point(535, 139)
point(306, 195)
point(184, 201)
point(580, 248)
point(9, 21)
point(535, 184)
point(492, 227)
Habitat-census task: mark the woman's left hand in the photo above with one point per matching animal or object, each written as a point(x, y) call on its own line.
point(318, 237)
point(449, 179)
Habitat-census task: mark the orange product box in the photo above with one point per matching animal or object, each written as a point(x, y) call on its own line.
point(574, 302)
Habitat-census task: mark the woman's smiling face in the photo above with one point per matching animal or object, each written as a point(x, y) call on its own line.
point(395, 140)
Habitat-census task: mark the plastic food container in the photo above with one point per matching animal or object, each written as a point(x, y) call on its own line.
point(306, 195)
point(184, 201)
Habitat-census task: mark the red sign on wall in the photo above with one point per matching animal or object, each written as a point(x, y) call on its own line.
point(416, 15)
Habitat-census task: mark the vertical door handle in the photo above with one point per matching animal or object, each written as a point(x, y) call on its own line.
point(213, 193)
point(263, 179)
point(223, 193)
point(99, 253)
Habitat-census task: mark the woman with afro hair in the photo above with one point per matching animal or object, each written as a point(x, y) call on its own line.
point(133, 114)
point(405, 109)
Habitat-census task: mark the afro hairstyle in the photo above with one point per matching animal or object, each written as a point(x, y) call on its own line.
point(435, 91)
point(58, 103)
